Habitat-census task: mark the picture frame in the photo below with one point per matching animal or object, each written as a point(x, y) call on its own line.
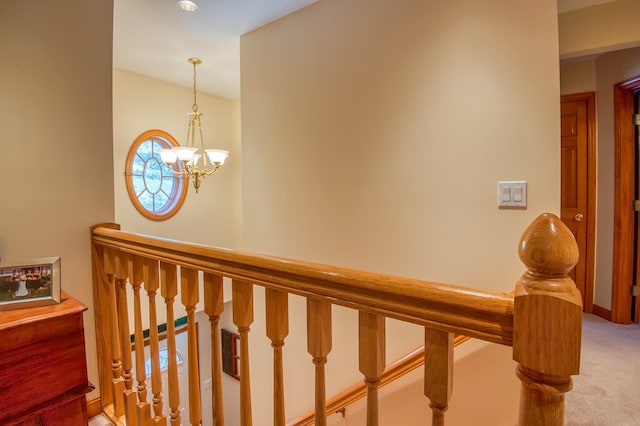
point(29, 282)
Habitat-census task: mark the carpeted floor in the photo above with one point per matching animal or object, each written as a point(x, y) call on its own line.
point(99, 420)
point(607, 391)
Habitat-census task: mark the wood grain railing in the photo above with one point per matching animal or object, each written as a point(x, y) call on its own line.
point(542, 321)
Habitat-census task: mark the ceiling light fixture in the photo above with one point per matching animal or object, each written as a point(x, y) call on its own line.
point(188, 5)
point(188, 155)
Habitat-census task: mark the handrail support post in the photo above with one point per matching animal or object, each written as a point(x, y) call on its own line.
point(547, 322)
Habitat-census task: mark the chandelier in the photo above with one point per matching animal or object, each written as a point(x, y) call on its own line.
point(184, 160)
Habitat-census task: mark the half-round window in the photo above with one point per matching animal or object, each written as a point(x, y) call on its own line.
point(155, 191)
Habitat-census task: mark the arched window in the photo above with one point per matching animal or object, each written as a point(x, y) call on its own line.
point(154, 190)
point(163, 355)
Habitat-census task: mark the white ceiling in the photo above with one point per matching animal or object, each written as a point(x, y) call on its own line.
point(155, 37)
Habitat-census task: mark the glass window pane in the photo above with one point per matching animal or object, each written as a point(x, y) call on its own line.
point(138, 184)
point(168, 185)
point(138, 166)
point(152, 175)
point(145, 149)
point(146, 199)
point(161, 201)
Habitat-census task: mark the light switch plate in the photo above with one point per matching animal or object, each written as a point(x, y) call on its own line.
point(512, 193)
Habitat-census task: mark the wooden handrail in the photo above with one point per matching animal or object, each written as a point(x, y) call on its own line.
point(445, 307)
point(541, 320)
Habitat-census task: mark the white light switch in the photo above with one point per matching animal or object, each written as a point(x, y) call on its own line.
point(517, 193)
point(512, 193)
point(505, 193)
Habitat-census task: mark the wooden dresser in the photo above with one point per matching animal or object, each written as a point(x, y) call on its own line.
point(43, 368)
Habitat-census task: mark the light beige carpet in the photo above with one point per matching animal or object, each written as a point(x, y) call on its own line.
point(99, 420)
point(607, 391)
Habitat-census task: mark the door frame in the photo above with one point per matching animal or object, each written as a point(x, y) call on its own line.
point(590, 98)
point(623, 240)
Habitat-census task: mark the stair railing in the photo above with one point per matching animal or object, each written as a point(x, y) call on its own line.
point(541, 320)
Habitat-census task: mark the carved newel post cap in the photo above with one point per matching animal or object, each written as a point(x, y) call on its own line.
point(548, 248)
point(547, 320)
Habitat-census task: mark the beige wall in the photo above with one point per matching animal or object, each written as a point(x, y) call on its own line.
point(577, 76)
point(141, 103)
point(598, 29)
point(55, 107)
point(374, 135)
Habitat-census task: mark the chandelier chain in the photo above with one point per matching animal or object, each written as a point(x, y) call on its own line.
point(195, 102)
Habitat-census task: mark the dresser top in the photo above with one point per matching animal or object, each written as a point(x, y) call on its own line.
point(17, 317)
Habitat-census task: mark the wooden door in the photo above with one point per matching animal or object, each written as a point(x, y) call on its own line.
point(635, 309)
point(577, 210)
point(624, 238)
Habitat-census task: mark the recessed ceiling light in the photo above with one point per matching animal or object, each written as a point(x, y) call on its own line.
point(188, 5)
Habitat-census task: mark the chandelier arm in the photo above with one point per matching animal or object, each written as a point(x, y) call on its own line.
point(182, 172)
point(188, 170)
point(216, 167)
point(208, 172)
point(173, 168)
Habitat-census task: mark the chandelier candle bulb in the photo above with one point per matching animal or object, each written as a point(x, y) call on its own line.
point(194, 161)
point(185, 153)
point(217, 156)
point(168, 156)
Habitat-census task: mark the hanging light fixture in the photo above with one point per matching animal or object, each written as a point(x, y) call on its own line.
point(188, 155)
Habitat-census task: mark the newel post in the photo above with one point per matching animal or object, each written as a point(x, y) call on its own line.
point(547, 322)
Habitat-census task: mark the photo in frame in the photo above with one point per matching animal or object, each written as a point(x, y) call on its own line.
point(29, 282)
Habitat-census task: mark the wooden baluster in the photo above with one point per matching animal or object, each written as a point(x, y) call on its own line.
point(319, 346)
point(372, 358)
point(124, 267)
point(116, 353)
point(143, 412)
point(242, 295)
point(277, 304)
point(169, 290)
point(438, 372)
point(213, 307)
point(150, 271)
point(190, 296)
point(102, 284)
point(547, 322)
